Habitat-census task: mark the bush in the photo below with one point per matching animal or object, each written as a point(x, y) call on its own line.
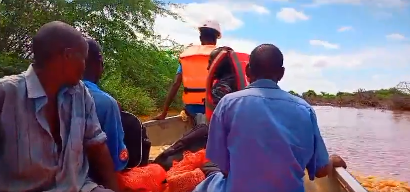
point(138, 71)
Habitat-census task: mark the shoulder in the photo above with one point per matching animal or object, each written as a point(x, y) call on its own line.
point(253, 97)
point(12, 84)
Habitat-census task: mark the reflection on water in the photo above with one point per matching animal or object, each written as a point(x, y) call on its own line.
point(373, 142)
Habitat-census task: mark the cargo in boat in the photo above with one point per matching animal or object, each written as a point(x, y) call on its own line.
point(165, 132)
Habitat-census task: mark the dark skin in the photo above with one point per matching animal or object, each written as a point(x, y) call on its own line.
point(95, 67)
point(64, 68)
point(93, 73)
point(177, 83)
point(266, 62)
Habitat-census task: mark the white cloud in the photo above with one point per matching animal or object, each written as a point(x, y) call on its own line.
point(241, 5)
point(395, 36)
point(345, 28)
point(378, 3)
point(291, 15)
point(303, 71)
point(324, 44)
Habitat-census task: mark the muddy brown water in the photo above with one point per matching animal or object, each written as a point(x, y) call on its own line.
point(373, 142)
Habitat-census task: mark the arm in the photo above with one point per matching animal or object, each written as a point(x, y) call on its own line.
point(216, 147)
point(171, 93)
point(319, 165)
point(96, 149)
point(174, 89)
point(115, 136)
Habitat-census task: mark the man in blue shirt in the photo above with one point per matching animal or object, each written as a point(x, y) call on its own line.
point(107, 108)
point(263, 138)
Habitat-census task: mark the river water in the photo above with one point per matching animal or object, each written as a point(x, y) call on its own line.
point(373, 142)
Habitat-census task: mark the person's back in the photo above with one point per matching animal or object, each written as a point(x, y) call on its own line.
point(192, 73)
point(263, 138)
point(270, 140)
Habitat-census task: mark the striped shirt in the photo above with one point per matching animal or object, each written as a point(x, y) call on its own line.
point(30, 160)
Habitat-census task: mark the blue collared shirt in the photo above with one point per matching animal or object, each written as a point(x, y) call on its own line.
point(110, 120)
point(31, 161)
point(264, 138)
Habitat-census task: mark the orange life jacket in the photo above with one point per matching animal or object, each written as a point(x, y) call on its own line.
point(238, 62)
point(194, 62)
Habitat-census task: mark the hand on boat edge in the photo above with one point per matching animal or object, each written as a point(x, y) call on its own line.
point(337, 161)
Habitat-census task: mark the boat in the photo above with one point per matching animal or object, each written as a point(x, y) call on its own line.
point(166, 132)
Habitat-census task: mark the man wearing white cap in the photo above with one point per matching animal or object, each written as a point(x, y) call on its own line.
point(192, 71)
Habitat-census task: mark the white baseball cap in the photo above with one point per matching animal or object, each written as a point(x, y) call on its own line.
point(212, 25)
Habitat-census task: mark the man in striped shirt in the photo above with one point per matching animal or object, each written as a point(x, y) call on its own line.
point(49, 121)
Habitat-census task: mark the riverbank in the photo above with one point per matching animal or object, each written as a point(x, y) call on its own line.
point(389, 99)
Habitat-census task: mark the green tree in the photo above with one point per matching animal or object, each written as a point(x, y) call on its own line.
point(309, 93)
point(138, 71)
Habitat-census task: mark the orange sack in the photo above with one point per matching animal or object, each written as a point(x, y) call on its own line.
point(183, 176)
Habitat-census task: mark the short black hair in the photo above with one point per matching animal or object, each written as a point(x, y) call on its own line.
point(208, 34)
point(52, 39)
point(94, 50)
point(265, 59)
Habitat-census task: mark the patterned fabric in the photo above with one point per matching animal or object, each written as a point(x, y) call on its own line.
point(31, 161)
point(222, 87)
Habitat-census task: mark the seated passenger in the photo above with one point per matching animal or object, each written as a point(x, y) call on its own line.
point(48, 121)
point(226, 75)
point(107, 108)
point(263, 138)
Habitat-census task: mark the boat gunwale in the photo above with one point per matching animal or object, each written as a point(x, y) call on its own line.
point(348, 182)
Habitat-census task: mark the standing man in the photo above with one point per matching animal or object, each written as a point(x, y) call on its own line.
point(49, 121)
point(192, 72)
point(263, 138)
point(108, 112)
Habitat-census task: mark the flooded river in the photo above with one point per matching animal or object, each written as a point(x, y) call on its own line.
point(373, 142)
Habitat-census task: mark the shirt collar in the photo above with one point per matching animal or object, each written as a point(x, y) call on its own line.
point(36, 90)
point(264, 83)
point(90, 84)
point(34, 87)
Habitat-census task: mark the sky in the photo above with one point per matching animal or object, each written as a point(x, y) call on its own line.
point(328, 45)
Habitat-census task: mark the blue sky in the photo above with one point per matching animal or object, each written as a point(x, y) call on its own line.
point(329, 45)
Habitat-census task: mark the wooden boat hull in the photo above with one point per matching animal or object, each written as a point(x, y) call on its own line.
point(166, 132)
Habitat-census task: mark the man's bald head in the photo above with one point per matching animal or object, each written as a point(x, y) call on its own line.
point(266, 61)
point(52, 39)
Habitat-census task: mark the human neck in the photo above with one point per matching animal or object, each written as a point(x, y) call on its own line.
point(90, 78)
point(208, 43)
point(49, 82)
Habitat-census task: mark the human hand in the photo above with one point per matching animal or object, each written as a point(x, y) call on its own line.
point(209, 168)
point(337, 161)
point(160, 116)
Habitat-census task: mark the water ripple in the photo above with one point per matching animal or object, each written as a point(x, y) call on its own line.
point(373, 142)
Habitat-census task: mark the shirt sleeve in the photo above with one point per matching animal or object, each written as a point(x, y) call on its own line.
point(179, 70)
point(320, 156)
point(216, 147)
point(93, 134)
point(115, 136)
